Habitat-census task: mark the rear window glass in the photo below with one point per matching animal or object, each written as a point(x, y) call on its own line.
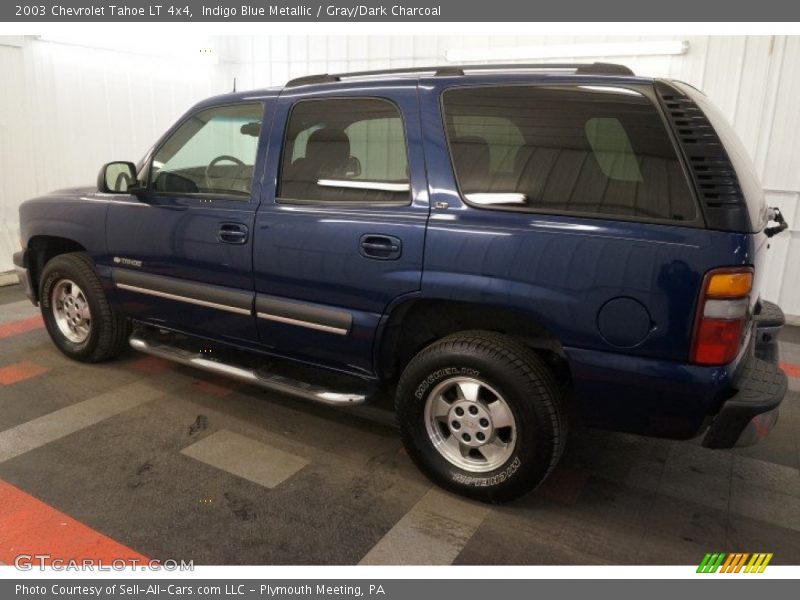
point(565, 149)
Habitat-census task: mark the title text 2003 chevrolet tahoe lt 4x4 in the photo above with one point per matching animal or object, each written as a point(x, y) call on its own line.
point(505, 249)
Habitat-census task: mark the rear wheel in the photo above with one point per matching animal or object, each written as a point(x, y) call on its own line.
point(76, 312)
point(481, 415)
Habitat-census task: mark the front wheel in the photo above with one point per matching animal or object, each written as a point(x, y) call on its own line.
point(481, 415)
point(76, 312)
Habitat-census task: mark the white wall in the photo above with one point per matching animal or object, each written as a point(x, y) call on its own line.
point(14, 151)
point(65, 110)
point(80, 107)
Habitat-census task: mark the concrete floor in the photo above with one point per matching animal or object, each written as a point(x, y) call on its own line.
point(173, 463)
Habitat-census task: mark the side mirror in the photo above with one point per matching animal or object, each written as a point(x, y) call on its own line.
point(118, 178)
point(252, 129)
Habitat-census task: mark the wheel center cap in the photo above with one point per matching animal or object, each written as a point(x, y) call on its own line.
point(470, 423)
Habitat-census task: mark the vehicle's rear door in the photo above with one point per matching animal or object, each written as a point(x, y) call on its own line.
point(181, 253)
point(341, 235)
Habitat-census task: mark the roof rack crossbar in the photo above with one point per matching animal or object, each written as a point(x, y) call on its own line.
point(596, 68)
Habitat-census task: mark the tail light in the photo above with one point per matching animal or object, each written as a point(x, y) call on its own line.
point(721, 315)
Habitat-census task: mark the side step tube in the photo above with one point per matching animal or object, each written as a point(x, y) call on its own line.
point(270, 381)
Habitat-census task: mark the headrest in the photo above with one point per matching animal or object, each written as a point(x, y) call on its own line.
point(471, 156)
point(328, 148)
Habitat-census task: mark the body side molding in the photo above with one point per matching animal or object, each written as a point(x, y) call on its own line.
point(201, 294)
point(303, 314)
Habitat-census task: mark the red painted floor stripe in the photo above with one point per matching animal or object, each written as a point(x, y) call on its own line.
point(23, 326)
point(212, 389)
point(29, 526)
point(20, 372)
point(791, 370)
point(151, 365)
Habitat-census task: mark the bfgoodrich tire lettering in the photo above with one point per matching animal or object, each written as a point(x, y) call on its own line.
point(500, 367)
point(108, 332)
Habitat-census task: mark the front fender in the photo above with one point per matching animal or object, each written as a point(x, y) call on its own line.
point(78, 215)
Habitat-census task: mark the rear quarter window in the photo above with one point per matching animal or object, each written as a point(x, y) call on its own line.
point(586, 150)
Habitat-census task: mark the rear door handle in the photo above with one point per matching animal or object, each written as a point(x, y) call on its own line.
point(380, 247)
point(232, 233)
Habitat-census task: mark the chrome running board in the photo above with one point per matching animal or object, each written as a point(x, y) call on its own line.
point(262, 377)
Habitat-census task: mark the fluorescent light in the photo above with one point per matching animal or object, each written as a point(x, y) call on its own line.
point(15, 41)
point(651, 48)
point(191, 49)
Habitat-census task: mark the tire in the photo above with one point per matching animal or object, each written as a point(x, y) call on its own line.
point(101, 333)
point(473, 371)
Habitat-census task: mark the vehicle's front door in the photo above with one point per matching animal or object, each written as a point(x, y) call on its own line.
point(181, 254)
point(343, 236)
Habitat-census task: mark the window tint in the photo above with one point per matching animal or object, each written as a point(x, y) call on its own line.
point(503, 136)
point(345, 150)
point(213, 152)
point(580, 149)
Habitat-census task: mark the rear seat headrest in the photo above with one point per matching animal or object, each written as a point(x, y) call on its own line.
point(328, 150)
point(472, 158)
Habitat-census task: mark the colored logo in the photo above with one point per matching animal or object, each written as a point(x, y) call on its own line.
point(737, 562)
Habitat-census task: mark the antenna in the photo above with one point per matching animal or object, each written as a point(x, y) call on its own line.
point(234, 85)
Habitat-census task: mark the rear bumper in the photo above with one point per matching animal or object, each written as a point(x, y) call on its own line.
point(677, 400)
point(749, 415)
point(769, 321)
point(24, 276)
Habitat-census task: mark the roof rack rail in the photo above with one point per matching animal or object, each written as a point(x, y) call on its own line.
point(596, 68)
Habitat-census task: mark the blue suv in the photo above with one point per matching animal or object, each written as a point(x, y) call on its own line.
point(506, 250)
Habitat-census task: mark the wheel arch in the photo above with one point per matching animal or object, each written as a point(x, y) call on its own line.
point(416, 322)
point(43, 248)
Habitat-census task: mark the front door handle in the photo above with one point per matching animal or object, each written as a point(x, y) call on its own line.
point(232, 233)
point(380, 247)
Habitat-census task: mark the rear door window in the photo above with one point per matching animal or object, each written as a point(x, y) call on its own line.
point(587, 150)
point(349, 150)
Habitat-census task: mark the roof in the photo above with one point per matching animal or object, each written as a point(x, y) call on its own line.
point(461, 70)
point(448, 71)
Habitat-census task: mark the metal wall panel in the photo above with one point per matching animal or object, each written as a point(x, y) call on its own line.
point(14, 151)
point(65, 110)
